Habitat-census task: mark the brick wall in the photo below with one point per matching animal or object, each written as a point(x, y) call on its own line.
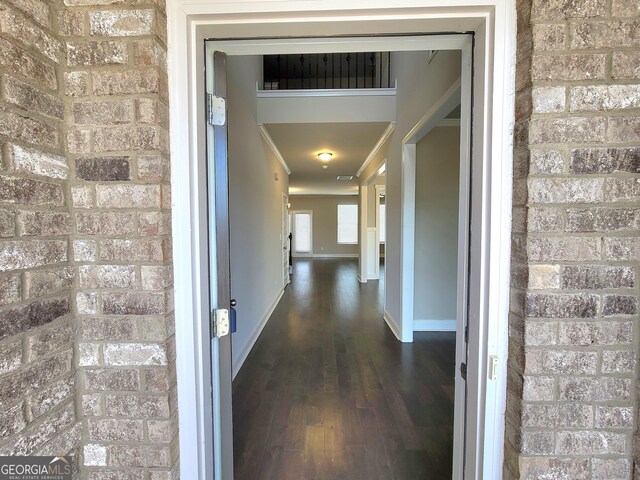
point(117, 114)
point(572, 398)
point(87, 358)
point(37, 375)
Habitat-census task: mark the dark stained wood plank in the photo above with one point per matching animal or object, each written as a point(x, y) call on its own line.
point(328, 391)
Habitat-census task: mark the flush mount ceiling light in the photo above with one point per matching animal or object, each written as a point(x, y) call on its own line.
point(325, 156)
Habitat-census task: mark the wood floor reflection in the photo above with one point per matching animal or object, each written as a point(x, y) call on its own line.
point(328, 392)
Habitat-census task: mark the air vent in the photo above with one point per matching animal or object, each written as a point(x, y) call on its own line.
point(345, 178)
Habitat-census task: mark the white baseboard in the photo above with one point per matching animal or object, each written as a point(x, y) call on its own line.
point(361, 280)
point(393, 325)
point(434, 325)
point(254, 336)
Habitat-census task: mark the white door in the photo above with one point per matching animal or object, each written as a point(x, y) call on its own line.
point(285, 241)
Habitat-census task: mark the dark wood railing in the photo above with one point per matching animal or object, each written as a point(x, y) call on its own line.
point(327, 71)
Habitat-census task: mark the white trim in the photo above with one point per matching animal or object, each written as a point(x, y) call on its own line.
point(449, 122)
point(376, 148)
point(493, 21)
point(320, 92)
point(256, 334)
point(274, 148)
point(363, 273)
point(434, 325)
point(393, 325)
point(334, 255)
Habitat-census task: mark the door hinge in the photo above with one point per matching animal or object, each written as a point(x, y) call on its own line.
point(463, 371)
point(216, 110)
point(220, 323)
point(466, 333)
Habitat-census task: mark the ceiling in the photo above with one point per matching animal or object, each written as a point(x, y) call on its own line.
point(300, 143)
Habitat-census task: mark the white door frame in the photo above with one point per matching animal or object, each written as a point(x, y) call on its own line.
point(493, 22)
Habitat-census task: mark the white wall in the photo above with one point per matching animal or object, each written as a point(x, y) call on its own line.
point(325, 222)
point(420, 85)
point(255, 202)
point(286, 107)
point(436, 224)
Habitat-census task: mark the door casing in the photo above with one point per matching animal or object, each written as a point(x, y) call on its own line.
point(494, 28)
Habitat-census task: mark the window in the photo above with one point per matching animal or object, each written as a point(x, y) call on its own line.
point(302, 232)
point(347, 223)
point(382, 228)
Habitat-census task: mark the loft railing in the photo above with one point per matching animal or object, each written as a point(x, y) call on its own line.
point(327, 71)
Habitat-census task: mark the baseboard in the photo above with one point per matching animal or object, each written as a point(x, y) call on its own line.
point(335, 255)
point(361, 280)
point(393, 325)
point(434, 325)
point(254, 336)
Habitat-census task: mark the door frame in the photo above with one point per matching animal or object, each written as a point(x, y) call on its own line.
point(379, 190)
point(493, 23)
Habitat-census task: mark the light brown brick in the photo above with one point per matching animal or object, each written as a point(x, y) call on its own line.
point(37, 162)
point(29, 130)
point(122, 23)
point(71, 24)
point(101, 112)
point(110, 379)
point(97, 53)
point(47, 282)
point(26, 65)
point(107, 276)
point(565, 9)
point(117, 139)
point(589, 443)
point(41, 223)
point(567, 130)
point(105, 223)
point(31, 99)
point(137, 406)
point(136, 354)
point(626, 65)
point(76, 84)
point(623, 129)
point(569, 67)
point(23, 30)
point(115, 430)
point(128, 196)
point(22, 254)
point(127, 82)
point(564, 248)
point(621, 33)
point(133, 303)
point(10, 289)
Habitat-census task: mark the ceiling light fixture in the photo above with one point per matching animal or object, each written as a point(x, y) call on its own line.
point(325, 156)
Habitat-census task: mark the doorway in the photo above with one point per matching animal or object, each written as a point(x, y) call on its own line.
point(347, 217)
point(485, 438)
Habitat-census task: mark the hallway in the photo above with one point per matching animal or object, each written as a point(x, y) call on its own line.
point(329, 392)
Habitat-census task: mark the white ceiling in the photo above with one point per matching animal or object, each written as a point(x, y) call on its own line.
point(300, 143)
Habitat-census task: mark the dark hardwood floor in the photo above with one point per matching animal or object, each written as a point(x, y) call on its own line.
point(328, 392)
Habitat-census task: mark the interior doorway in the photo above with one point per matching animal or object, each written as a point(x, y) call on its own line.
point(477, 441)
point(303, 232)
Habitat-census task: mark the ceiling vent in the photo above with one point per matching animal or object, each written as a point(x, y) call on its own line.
point(345, 178)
